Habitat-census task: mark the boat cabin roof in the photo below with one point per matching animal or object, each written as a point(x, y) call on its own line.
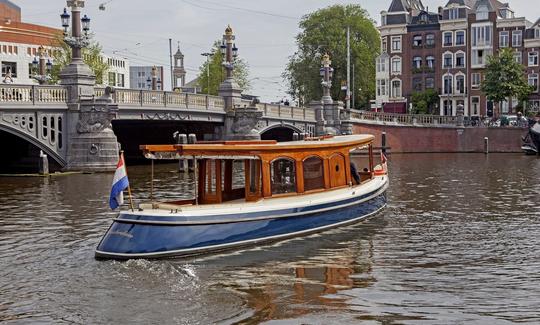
point(254, 149)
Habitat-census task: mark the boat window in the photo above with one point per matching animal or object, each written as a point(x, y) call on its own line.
point(283, 176)
point(238, 175)
point(313, 173)
point(211, 176)
point(253, 180)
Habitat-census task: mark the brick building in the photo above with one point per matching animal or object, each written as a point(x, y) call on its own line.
point(447, 51)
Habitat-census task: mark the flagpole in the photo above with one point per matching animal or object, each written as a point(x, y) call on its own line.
point(129, 187)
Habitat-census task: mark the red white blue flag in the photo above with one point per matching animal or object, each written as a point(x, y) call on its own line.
point(119, 184)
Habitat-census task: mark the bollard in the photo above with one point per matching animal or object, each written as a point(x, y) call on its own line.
point(182, 163)
point(383, 143)
point(43, 163)
point(486, 145)
point(191, 139)
point(295, 136)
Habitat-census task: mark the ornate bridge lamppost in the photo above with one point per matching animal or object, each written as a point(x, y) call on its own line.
point(327, 73)
point(228, 88)
point(41, 67)
point(77, 75)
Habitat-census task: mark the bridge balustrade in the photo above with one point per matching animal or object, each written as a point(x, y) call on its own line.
point(406, 119)
point(30, 94)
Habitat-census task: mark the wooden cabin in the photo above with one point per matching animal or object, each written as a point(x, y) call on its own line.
point(270, 169)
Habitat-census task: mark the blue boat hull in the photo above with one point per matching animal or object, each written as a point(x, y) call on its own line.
point(152, 237)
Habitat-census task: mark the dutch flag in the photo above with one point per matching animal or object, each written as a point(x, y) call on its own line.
point(119, 184)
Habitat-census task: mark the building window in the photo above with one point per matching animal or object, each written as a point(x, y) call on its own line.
point(430, 40)
point(430, 83)
point(482, 13)
point(453, 13)
point(417, 62)
point(396, 43)
point(503, 39)
point(516, 38)
point(447, 84)
point(533, 59)
point(382, 89)
point(475, 106)
point(481, 36)
point(9, 69)
point(383, 45)
point(479, 57)
point(537, 32)
point(396, 65)
point(381, 64)
point(447, 108)
point(121, 80)
point(430, 60)
point(460, 84)
point(518, 57)
point(475, 80)
point(447, 60)
point(396, 88)
point(417, 84)
point(417, 40)
point(112, 78)
point(460, 60)
point(533, 81)
point(447, 39)
point(460, 38)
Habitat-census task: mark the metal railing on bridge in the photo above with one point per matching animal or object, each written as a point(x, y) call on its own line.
point(405, 119)
point(284, 111)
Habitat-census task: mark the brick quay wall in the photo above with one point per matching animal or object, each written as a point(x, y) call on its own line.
point(421, 139)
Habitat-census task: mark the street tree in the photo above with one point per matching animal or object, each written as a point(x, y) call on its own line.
point(92, 56)
point(505, 78)
point(325, 31)
point(424, 102)
point(217, 73)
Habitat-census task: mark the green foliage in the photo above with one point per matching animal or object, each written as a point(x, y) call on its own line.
point(325, 31)
point(91, 56)
point(424, 102)
point(505, 78)
point(218, 73)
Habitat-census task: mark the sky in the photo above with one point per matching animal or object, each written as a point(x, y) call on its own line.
point(139, 30)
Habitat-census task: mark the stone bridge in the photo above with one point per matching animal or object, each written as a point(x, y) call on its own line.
point(39, 114)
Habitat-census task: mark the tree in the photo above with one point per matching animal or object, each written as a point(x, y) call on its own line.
point(218, 73)
point(505, 79)
point(325, 31)
point(424, 102)
point(91, 56)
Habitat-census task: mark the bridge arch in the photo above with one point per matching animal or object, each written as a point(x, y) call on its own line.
point(46, 149)
point(280, 132)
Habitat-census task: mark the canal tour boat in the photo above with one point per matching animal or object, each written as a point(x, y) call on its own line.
point(288, 189)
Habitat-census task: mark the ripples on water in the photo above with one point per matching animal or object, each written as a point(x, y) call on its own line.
point(459, 243)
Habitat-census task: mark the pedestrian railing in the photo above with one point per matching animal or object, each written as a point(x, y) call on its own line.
point(33, 94)
point(29, 94)
point(405, 119)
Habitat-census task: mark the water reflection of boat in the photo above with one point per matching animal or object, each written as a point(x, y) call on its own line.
point(291, 189)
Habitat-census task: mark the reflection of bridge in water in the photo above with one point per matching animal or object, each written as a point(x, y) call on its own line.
point(39, 115)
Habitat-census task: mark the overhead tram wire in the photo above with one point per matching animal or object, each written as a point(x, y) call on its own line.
point(222, 6)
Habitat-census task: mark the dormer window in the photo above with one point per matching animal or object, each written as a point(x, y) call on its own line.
point(537, 32)
point(482, 13)
point(424, 18)
point(453, 14)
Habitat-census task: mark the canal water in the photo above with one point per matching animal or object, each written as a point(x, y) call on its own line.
point(459, 243)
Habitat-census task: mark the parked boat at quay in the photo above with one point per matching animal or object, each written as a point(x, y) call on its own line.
point(290, 189)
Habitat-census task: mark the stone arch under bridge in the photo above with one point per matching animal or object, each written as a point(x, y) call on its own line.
point(46, 131)
point(280, 132)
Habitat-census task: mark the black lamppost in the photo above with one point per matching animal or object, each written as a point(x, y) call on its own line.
point(41, 67)
point(77, 40)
